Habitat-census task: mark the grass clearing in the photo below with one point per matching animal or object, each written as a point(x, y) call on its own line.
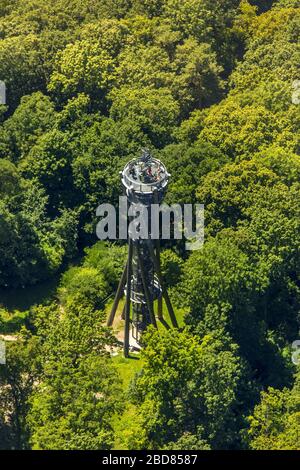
point(124, 424)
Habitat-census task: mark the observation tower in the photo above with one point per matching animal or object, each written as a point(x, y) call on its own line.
point(145, 182)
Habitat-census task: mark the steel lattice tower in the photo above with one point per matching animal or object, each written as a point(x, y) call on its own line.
point(145, 181)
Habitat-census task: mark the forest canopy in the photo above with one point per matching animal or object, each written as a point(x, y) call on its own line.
point(209, 87)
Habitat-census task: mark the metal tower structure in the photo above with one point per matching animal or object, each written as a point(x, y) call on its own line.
point(145, 182)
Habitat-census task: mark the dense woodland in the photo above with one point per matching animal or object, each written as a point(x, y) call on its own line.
point(207, 86)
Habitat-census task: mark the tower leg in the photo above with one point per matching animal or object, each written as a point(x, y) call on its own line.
point(159, 308)
point(127, 305)
point(146, 290)
point(123, 312)
point(157, 250)
point(159, 300)
point(164, 290)
point(117, 297)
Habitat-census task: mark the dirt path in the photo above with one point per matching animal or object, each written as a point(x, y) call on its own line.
point(118, 327)
point(9, 337)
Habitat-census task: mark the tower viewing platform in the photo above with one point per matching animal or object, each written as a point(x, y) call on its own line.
point(145, 175)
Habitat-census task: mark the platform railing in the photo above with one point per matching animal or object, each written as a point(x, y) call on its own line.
point(138, 186)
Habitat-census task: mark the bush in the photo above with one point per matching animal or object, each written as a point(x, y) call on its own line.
point(11, 322)
point(86, 284)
